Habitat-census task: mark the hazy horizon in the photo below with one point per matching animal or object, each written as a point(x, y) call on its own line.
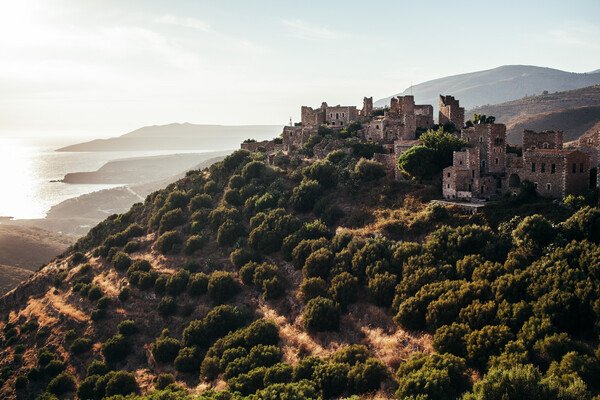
point(86, 69)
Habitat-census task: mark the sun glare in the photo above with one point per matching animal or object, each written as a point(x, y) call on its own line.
point(16, 177)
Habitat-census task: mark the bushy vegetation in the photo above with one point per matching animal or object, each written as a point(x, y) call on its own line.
point(509, 295)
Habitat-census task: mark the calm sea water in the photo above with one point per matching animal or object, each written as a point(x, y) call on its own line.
point(28, 165)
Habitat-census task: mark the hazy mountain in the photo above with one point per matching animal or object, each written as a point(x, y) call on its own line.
point(184, 136)
point(141, 169)
point(573, 112)
point(498, 85)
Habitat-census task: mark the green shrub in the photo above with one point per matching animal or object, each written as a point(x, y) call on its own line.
point(35, 373)
point(438, 376)
point(343, 289)
point(381, 288)
point(131, 247)
point(352, 355)
point(233, 197)
point(97, 314)
point(324, 172)
point(200, 201)
point(54, 368)
point(121, 383)
point(305, 368)
point(81, 345)
point(273, 288)
point(367, 377)
point(534, 231)
point(103, 303)
point(63, 383)
point(222, 286)
point(197, 284)
point(188, 360)
point(94, 293)
point(165, 350)
point(167, 306)
point(127, 327)
point(243, 256)
point(332, 378)
point(518, 382)
point(305, 195)
point(97, 368)
point(253, 170)
point(312, 288)
point(451, 339)
point(368, 170)
point(21, 382)
point(278, 373)
point(488, 341)
point(209, 368)
point(177, 283)
point(163, 381)
point(169, 242)
point(171, 219)
point(229, 232)
point(194, 243)
point(115, 348)
point(87, 388)
point(44, 356)
point(321, 315)
point(318, 264)
point(121, 261)
point(124, 294)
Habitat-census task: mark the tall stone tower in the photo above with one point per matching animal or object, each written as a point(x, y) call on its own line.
point(450, 111)
point(367, 109)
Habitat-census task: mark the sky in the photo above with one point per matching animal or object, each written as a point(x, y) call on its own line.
point(103, 68)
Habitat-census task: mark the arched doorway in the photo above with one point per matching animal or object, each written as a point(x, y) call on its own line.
point(593, 177)
point(514, 181)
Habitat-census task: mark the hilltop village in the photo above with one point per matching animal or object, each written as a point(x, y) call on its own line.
point(484, 170)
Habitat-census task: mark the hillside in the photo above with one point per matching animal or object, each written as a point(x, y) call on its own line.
point(498, 85)
point(11, 277)
point(573, 112)
point(311, 279)
point(30, 247)
point(184, 136)
point(574, 122)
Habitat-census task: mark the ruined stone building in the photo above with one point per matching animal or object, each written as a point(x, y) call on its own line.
point(590, 145)
point(400, 122)
point(485, 171)
point(450, 111)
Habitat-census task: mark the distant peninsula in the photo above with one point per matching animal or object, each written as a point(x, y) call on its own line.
point(179, 137)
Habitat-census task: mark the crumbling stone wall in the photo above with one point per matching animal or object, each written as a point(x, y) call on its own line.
point(491, 140)
point(313, 117)
point(339, 116)
point(450, 111)
point(555, 172)
point(367, 110)
point(424, 116)
point(542, 140)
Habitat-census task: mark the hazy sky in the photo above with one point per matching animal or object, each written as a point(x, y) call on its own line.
point(107, 67)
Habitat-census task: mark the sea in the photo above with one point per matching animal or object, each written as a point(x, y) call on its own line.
point(30, 169)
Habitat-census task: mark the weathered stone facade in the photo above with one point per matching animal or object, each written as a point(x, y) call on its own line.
point(542, 140)
point(491, 140)
point(554, 172)
point(450, 111)
point(484, 170)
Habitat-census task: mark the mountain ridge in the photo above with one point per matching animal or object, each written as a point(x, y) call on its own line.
point(497, 85)
point(180, 136)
